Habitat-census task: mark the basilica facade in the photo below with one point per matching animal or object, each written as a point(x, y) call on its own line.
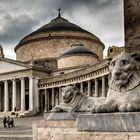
point(58, 54)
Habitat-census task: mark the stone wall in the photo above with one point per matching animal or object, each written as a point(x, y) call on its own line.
point(132, 25)
point(114, 50)
point(46, 46)
point(73, 61)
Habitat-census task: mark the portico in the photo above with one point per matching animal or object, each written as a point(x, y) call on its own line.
point(17, 92)
point(19, 87)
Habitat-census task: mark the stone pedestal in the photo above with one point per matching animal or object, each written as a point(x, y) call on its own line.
point(109, 122)
point(52, 130)
point(60, 116)
point(66, 130)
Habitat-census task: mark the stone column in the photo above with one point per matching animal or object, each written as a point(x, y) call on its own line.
point(13, 95)
point(60, 95)
point(36, 95)
point(103, 86)
point(41, 100)
point(53, 102)
point(0, 97)
point(6, 96)
point(96, 88)
point(22, 94)
point(89, 88)
point(31, 90)
point(82, 87)
point(46, 98)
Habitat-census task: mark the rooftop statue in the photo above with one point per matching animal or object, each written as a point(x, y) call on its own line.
point(124, 86)
point(1, 52)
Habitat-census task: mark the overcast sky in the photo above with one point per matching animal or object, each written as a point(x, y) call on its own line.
point(104, 18)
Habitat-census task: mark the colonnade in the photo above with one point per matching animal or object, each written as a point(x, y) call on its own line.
point(93, 87)
point(25, 86)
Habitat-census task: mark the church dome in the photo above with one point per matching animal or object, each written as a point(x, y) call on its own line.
point(59, 24)
point(50, 41)
point(78, 49)
point(77, 55)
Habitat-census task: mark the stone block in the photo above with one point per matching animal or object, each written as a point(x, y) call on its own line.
point(60, 116)
point(66, 130)
point(49, 129)
point(109, 122)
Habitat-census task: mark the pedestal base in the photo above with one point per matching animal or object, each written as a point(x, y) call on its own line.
point(109, 122)
point(60, 116)
point(66, 130)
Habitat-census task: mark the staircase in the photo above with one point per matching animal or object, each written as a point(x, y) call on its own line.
point(2, 114)
point(15, 137)
point(27, 114)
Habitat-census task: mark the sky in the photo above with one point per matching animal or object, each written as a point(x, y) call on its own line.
point(18, 18)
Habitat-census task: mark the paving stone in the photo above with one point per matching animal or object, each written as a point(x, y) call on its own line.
point(21, 131)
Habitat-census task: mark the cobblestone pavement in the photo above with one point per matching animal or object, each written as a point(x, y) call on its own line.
point(23, 126)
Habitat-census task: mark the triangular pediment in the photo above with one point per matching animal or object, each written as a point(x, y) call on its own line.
point(10, 66)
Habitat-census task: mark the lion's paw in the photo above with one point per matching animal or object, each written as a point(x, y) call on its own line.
point(102, 108)
point(129, 107)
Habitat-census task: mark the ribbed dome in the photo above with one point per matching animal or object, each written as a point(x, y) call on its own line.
point(77, 49)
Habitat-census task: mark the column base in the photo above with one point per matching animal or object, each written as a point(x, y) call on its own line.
point(5, 111)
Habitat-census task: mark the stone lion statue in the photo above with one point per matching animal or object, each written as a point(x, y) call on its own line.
point(74, 101)
point(124, 86)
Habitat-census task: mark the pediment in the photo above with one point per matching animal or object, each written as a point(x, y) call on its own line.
point(9, 67)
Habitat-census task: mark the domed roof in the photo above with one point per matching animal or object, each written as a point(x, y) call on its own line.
point(77, 49)
point(59, 24)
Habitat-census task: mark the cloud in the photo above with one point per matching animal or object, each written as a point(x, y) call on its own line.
point(104, 18)
point(14, 28)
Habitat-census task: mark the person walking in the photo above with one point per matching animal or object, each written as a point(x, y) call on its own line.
point(16, 115)
point(11, 122)
point(8, 121)
point(4, 122)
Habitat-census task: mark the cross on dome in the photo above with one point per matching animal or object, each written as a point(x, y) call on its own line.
point(59, 12)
